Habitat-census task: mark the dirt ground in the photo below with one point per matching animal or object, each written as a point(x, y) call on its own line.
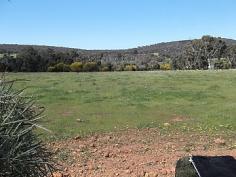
point(135, 153)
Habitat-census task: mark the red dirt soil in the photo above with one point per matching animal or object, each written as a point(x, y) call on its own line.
point(135, 153)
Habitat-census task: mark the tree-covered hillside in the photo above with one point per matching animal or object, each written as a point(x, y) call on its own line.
point(207, 52)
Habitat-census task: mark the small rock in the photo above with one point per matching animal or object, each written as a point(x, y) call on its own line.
point(166, 124)
point(66, 175)
point(81, 171)
point(79, 120)
point(153, 174)
point(81, 147)
point(92, 145)
point(90, 167)
point(168, 171)
point(172, 170)
point(142, 173)
point(109, 137)
point(163, 172)
point(128, 171)
point(57, 150)
point(77, 137)
point(107, 154)
point(219, 141)
point(57, 174)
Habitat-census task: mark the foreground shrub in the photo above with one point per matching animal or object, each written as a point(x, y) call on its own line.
point(21, 152)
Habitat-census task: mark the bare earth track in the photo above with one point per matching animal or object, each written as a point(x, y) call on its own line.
point(135, 153)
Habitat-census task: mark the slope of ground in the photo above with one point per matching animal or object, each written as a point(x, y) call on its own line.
point(136, 153)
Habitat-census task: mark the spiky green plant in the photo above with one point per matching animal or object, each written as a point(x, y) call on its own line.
point(22, 154)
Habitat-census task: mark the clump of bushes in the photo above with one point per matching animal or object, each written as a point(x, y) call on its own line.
point(119, 67)
point(130, 67)
point(165, 66)
point(76, 67)
point(93, 66)
point(60, 67)
point(105, 67)
point(90, 67)
point(22, 154)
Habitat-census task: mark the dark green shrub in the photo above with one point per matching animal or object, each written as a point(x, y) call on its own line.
point(21, 152)
point(51, 69)
point(3, 67)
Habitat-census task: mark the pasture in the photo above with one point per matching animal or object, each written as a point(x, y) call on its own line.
point(85, 103)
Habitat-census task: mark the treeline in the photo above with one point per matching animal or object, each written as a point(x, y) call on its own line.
point(205, 53)
point(33, 60)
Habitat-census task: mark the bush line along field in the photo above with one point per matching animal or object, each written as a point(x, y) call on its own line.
point(84, 103)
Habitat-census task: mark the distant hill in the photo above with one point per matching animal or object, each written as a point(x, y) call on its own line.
point(170, 49)
point(16, 48)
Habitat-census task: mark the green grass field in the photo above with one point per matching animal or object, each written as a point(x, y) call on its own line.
point(203, 100)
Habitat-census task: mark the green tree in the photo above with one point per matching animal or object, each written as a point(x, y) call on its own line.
point(31, 60)
point(198, 53)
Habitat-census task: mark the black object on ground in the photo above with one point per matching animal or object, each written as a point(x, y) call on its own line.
point(219, 166)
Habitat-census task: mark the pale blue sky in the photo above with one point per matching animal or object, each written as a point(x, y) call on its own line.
point(111, 24)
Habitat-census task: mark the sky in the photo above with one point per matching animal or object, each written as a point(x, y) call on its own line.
point(113, 24)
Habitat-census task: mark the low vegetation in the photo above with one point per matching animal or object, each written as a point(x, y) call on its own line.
point(188, 101)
